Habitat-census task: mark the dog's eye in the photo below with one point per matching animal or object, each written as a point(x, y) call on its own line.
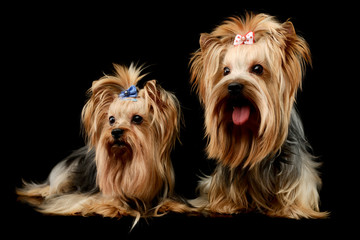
point(226, 71)
point(257, 69)
point(111, 120)
point(137, 119)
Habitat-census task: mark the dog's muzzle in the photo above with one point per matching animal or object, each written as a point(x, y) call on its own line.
point(241, 107)
point(117, 133)
point(235, 89)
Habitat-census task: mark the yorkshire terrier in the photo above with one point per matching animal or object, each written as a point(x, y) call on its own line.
point(247, 73)
point(125, 169)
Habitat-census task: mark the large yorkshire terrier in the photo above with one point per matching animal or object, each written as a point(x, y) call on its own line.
point(125, 169)
point(247, 72)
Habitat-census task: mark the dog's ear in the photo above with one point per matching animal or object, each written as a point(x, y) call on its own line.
point(289, 28)
point(297, 53)
point(94, 113)
point(205, 63)
point(207, 40)
point(165, 109)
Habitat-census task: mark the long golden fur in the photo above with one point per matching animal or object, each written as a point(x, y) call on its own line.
point(263, 160)
point(130, 174)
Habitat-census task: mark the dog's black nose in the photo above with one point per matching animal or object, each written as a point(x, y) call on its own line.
point(235, 88)
point(117, 132)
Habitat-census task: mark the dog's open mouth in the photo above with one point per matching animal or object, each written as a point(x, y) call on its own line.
point(120, 147)
point(241, 110)
point(241, 114)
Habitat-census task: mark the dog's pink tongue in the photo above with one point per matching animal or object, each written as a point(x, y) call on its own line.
point(240, 115)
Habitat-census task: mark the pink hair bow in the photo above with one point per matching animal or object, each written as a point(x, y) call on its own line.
point(247, 39)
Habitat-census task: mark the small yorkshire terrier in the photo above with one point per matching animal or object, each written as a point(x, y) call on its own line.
point(247, 73)
point(125, 169)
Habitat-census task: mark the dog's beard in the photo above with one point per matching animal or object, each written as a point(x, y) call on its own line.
point(232, 124)
point(127, 167)
point(120, 149)
point(244, 129)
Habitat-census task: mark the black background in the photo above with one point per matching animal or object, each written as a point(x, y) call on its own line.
point(53, 52)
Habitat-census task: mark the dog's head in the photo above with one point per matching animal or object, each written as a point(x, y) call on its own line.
point(247, 72)
point(133, 131)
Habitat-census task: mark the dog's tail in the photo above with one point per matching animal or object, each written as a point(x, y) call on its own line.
point(33, 193)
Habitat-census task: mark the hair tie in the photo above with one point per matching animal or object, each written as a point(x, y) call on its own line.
point(247, 39)
point(129, 94)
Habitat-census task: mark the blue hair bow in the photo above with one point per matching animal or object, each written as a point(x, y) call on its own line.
point(131, 92)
